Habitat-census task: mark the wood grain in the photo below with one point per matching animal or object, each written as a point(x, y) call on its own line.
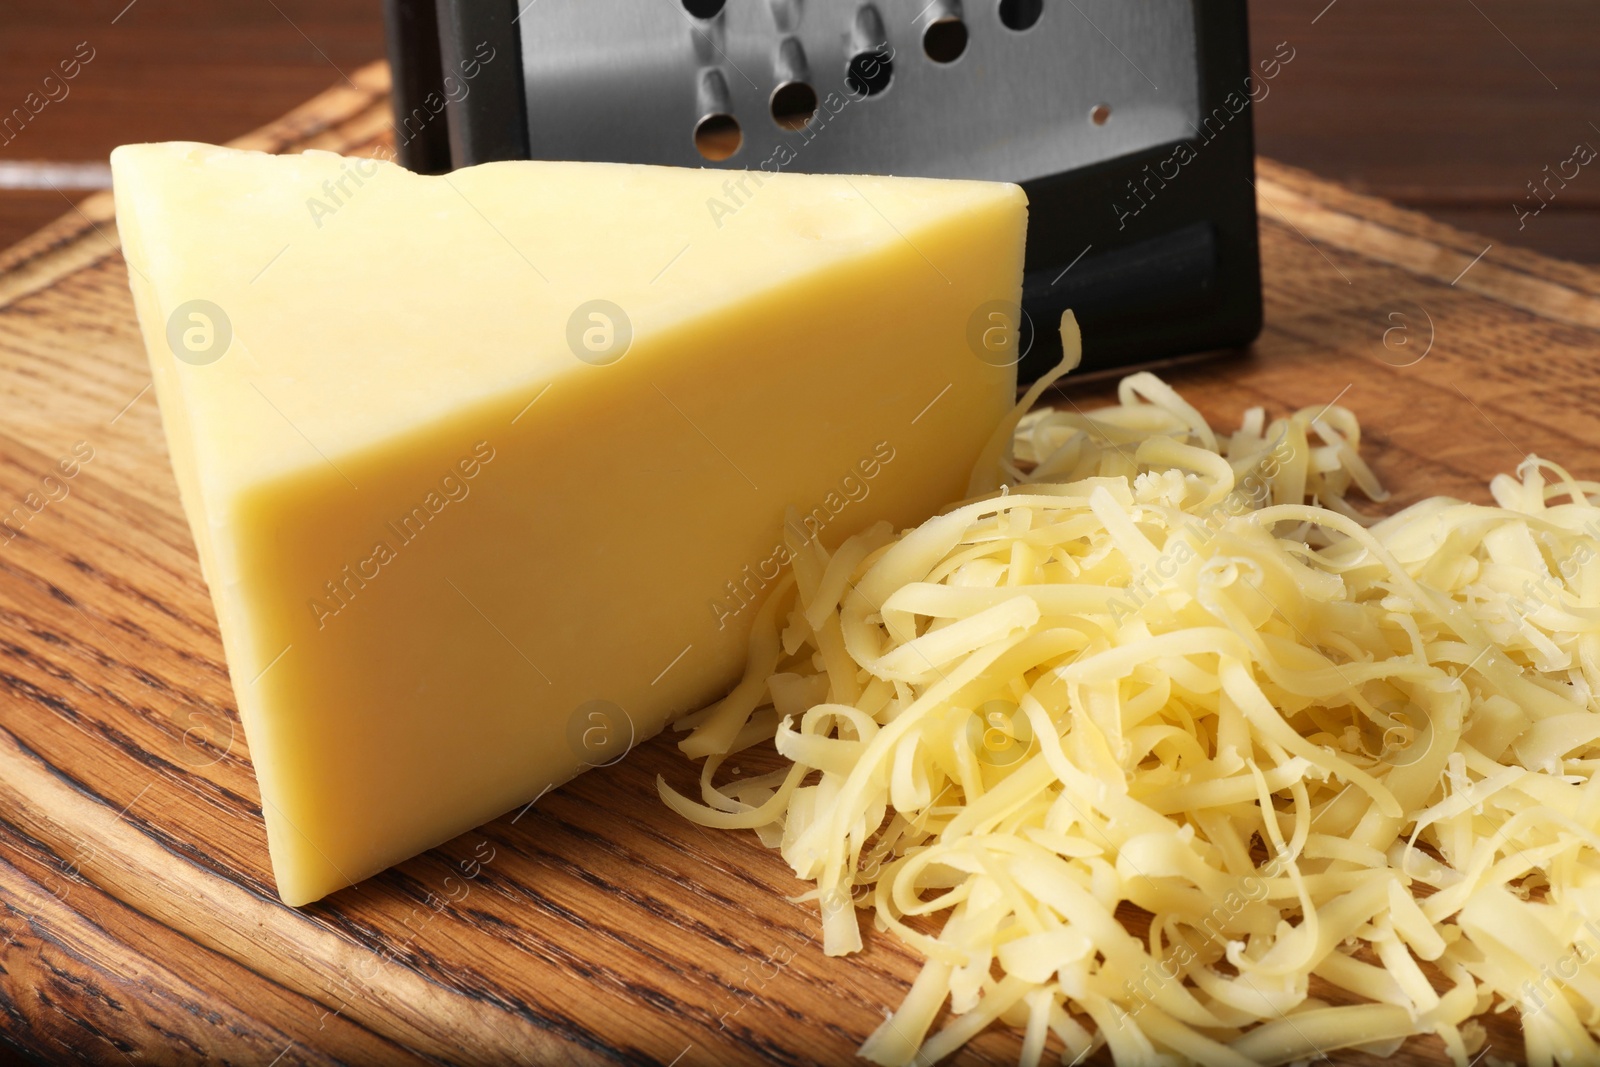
point(1442, 105)
point(137, 918)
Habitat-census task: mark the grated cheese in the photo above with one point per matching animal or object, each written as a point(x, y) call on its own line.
point(1156, 744)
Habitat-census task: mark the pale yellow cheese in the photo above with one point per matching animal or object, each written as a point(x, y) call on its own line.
point(1347, 768)
point(452, 561)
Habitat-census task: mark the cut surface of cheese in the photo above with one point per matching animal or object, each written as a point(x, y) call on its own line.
point(489, 472)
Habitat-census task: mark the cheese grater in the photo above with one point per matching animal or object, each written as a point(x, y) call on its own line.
point(1127, 123)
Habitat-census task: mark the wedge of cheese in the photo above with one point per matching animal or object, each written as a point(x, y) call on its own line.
point(488, 473)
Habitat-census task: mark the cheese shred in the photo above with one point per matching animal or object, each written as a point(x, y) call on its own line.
point(1158, 745)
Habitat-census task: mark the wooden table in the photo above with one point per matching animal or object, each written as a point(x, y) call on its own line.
point(137, 916)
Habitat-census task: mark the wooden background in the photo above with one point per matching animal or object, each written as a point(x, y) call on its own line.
point(137, 918)
point(1450, 106)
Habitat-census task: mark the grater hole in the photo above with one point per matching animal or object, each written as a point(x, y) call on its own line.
point(793, 104)
point(945, 39)
point(717, 136)
point(1020, 15)
point(703, 9)
point(869, 73)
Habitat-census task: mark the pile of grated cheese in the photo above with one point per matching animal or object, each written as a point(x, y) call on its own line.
point(1162, 747)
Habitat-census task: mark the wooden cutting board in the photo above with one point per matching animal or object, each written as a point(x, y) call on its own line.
point(138, 916)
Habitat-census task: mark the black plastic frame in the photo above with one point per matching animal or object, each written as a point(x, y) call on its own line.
point(1183, 273)
point(490, 122)
point(411, 32)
